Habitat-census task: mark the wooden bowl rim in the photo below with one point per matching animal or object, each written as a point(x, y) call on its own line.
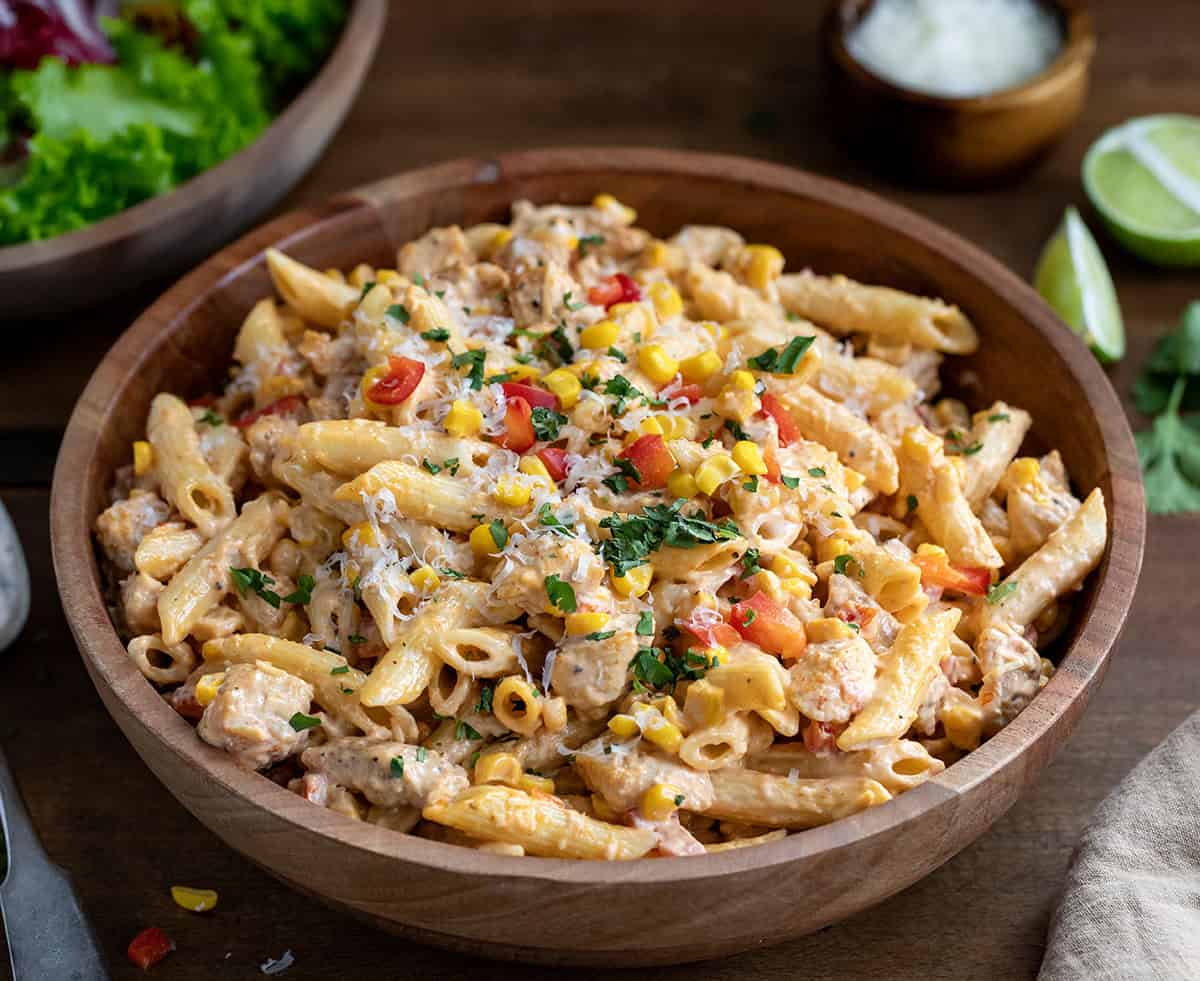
point(356, 43)
point(1079, 46)
point(79, 582)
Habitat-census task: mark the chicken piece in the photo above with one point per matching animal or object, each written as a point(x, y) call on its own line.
point(592, 674)
point(674, 839)
point(833, 679)
point(123, 524)
point(436, 250)
point(621, 778)
point(139, 603)
point(850, 602)
point(250, 716)
point(328, 355)
point(709, 244)
point(521, 578)
point(387, 773)
point(1013, 672)
point(538, 295)
point(270, 439)
point(1039, 502)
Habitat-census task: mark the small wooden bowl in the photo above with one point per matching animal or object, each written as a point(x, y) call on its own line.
point(958, 142)
point(164, 235)
point(647, 912)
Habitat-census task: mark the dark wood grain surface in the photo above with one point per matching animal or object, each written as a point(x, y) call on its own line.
point(459, 78)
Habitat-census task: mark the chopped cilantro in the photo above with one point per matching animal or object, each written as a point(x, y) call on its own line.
point(679, 799)
point(555, 347)
point(750, 563)
point(437, 334)
point(341, 669)
point(396, 767)
point(464, 730)
point(451, 465)
point(621, 387)
point(357, 639)
point(645, 624)
point(792, 482)
point(1000, 591)
point(572, 306)
point(737, 431)
point(303, 591)
point(399, 312)
point(600, 635)
point(782, 362)
point(751, 485)
point(474, 360)
point(500, 379)
point(523, 358)
point(999, 417)
point(749, 616)
point(211, 418)
point(840, 563)
point(619, 355)
point(547, 423)
point(431, 467)
point(561, 594)
point(257, 582)
point(366, 288)
point(451, 573)
point(499, 533)
point(588, 240)
point(649, 670)
point(486, 694)
point(626, 471)
point(299, 721)
point(634, 537)
point(550, 520)
point(910, 502)
point(816, 471)
point(421, 754)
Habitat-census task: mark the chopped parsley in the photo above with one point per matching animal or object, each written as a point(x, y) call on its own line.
point(619, 355)
point(645, 624)
point(910, 502)
point(303, 591)
point(500, 379)
point(999, 417)
point(550, 520)
point(636, 536)
point(499, 533)
point(679, 799)
point(555, 347)
point(572, 306)
point(464, 730)
point(623, 389)
point(793, 317)
point(649, 670)
point(357, 639)
point(366, 288)
point(750, 563)
point(399, 312)
point(437, 334)
point(737, 431)
point(840, 563)
point(601, 635)
point(341, 669)
point(588, 240)
point(782, 362)
point(816, 471)
point(451, 466)
point(255, 581)
point(749, 616)
point(1000, 591)
point(523, 358)
point(419, 280)
point(300, 721)
point(561, 594)
point(547, 423)
point(433, 468)
point(627, 471)
point(751, 485)
point(792, 482)
point(396, 767)
point(451, 573)
point(211, 418)
point(474, 360)
point(484, 705)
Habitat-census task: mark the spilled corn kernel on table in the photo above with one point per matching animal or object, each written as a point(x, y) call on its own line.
point(458, 78)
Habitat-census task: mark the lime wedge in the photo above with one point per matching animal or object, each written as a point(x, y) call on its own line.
point(1073, 279)
point(1143, 177)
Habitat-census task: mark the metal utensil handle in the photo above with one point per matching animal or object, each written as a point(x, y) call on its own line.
point(49, 937)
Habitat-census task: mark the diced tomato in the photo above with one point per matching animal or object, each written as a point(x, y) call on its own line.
point(772, 464)
point(203, 402)
point(614, 289)
point(149, 947)
point(789, 432)
point(858, 613)
point(936, 570)
point(281, 407)
point(518, 426)
point(538, 398)
point(555, 461)
point(764, 622)
point(402, 378)
point(821, 737)
point(653, 460)
point(716, 633)
point(693, 393)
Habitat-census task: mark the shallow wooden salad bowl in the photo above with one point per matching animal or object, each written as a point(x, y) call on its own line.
point(650, 911)
point(166, 234)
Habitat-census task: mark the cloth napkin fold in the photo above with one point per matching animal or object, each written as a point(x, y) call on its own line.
point(1130, 910)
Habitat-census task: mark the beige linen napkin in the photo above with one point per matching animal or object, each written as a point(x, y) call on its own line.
point(1130, 909)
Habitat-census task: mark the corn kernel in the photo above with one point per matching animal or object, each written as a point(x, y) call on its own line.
point(827, 628)
point(700, 367)
point(963, 724)
point(534, 467)
point(933, 551)
point(425, 580)
point(666, 299)
point(704, 705)
point(563, 384)
point(606, 202)
point(676, 427)
point(508, 492)
point(531, 783)
point(656, 364)
point(600, 335)
point(796, 586)
point(635, 582)
point(374, 304)
point(1023, 470)
point(831, 548)
point(143, 457)
point(498, 768)
point(207, 687)
point(668, 708)
point(713, 472)
point(463, 419)
point(659, 255)
point(760, 264)
point(743, 380)
point(582, 624)
point(623, 726)
point(784, 565)
point(749, 457)
point(499, 240)
point(650, 426)
point(195, 900)
point(665, 735)
point(765, 581)
point(360, 275)
point(854, 480)
point(682, 484)
point(361, 535)
point(522, 372)
point(483, 542)
point(387, 276)
point(660, 801)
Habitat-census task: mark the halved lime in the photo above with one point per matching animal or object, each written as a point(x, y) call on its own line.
point(1073, 279)
point(1143, 177)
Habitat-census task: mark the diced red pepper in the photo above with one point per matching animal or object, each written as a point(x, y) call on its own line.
point(693, 393)
point(936, 570)
point(149, 947)
point(789, 432)
point(764, 622)
point(772, 464)
point(653, 461)
point(716, 633)
point(614, 289)
point(538, 398)
point(857, 613)
point(203, 402)
point(821, 737)
point(555, 461)
point(402, 378)
point(518, 426)
point(280, 407)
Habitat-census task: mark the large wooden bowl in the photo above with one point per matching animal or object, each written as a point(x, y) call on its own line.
point(165, 235)
point(644, 912)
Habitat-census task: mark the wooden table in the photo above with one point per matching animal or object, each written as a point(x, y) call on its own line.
point(457, 78)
